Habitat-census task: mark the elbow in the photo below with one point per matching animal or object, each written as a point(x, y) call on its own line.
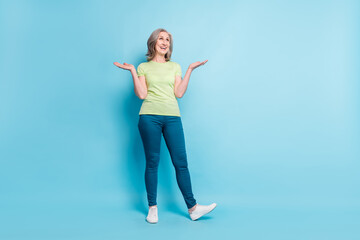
point(178, 95)
point(142, 96)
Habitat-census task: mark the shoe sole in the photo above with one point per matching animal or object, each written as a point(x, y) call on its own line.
point(150, 222)
point(204, 213)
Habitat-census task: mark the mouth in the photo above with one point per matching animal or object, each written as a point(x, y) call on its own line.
point(163, 48)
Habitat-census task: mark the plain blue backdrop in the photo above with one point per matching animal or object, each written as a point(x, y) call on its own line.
point(271, 121)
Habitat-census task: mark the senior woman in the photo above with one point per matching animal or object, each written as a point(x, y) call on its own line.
point(158, 82)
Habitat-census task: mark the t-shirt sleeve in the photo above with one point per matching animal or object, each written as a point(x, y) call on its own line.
point(178, 70)
point(140, 70)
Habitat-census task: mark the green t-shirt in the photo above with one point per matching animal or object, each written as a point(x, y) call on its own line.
point(160, 80)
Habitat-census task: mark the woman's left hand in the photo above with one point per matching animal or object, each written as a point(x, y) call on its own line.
point(196, 64)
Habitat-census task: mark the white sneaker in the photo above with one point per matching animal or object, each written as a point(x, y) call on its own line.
point(201, 210)
point(152, 216)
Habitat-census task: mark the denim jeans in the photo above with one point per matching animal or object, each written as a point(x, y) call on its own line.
point(151, 127)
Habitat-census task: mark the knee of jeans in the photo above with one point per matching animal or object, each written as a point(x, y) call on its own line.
point(180, 161)
point(152, 161)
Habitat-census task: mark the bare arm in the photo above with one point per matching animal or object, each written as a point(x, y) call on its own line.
point(140, 87)
point(181, 85)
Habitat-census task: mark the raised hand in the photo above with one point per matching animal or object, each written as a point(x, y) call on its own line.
point(125, 66)
point(197, 64)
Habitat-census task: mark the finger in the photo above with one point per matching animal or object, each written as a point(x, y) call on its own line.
point(120, 65)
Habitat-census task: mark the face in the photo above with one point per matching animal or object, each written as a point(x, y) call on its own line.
point(163, 43)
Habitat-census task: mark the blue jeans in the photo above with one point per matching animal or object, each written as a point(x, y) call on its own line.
point(151, 127)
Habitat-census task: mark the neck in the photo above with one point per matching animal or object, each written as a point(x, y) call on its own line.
point(159, 58)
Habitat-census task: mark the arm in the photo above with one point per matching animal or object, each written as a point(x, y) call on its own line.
point(181, 85)
point(140, 87)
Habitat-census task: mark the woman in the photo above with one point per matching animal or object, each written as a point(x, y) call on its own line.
point(158, 82)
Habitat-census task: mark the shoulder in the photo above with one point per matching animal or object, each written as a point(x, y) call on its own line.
point(143, 64)
point(175, 64)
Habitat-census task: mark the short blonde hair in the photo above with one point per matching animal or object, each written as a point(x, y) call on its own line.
point(152, 42)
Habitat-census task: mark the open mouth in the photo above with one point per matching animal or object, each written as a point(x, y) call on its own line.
point(163, 48)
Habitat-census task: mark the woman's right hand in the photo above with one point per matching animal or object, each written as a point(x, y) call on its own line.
point(125, 66)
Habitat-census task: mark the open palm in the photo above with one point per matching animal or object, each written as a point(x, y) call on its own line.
point(125, 66)
point(197, 64)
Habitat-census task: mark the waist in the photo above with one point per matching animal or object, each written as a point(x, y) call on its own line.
point(167, 108)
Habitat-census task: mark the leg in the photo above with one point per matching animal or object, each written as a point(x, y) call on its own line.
point(175, 141)
point(150, 128)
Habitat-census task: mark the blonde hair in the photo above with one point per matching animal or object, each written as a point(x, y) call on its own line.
point(152, 42)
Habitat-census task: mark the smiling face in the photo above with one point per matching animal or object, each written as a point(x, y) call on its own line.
point(162, 43)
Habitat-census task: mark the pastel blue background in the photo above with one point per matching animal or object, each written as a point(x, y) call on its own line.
point(272, 121)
